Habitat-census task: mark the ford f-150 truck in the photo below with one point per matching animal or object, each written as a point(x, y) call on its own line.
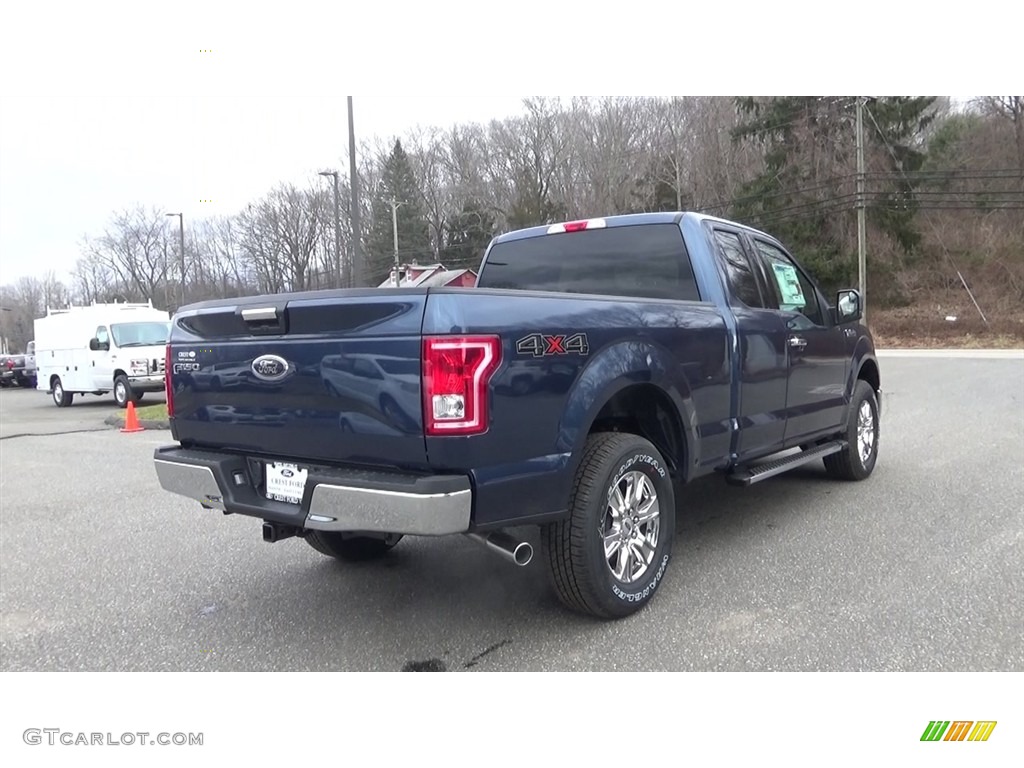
point(595, 366)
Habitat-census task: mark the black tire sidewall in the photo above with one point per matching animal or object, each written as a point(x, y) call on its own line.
point(65, 398)
point(618, 598)
point(864, 393)
point(127, 392)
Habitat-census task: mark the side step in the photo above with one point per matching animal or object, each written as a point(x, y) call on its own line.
point(758, 472)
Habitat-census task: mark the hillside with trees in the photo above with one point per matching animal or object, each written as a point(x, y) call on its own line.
point(944, 198)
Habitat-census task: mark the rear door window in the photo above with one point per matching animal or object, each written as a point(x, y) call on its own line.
point(641, 261)
point(738, 271)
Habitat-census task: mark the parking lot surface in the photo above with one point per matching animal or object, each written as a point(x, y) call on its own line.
point(917, 568)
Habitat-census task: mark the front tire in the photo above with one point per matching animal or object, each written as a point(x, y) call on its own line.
point(857, 460)
point(609, 557)
point(345, 546)
point(123, 392)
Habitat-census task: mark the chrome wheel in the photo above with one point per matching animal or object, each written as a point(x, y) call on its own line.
point(58, 392)
point(120, 393)
point(630, 529)
point(865, 432)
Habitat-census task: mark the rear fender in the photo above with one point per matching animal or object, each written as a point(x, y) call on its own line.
point(617, 367)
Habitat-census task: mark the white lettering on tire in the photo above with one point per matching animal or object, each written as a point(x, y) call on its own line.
point(632, 597)
point(640, 458)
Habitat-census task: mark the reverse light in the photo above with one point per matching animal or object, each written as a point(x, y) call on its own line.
point(168, 387)
point(576, 226)
point(456, 372)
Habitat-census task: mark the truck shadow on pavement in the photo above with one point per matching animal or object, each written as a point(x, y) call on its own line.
point(432, 593)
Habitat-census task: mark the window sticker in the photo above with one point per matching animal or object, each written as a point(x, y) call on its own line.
point(789, 287)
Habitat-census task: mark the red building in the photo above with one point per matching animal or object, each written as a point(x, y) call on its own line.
point(422, 275)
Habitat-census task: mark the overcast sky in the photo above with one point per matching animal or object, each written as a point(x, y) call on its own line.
point(111, 104)
point(67, 163)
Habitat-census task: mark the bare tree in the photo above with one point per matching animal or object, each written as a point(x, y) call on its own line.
point(282, 235)
point(131, 246)
point(1012, 109)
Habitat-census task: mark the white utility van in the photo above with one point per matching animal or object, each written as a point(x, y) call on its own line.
point(101, 348)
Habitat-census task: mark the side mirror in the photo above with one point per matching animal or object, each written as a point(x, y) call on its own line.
point(848, 307)
point(97, 346)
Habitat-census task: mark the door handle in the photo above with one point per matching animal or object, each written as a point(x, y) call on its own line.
point(797, 342)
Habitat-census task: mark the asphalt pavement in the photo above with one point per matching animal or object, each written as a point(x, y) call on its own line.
point(918, 568)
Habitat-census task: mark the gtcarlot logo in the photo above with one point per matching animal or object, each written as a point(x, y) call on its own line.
point(55, 737)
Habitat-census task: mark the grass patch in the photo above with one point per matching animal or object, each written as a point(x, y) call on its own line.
point(925, 327)
point(155, 412)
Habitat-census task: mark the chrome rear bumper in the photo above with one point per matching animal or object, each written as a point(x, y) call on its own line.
point(334, 499)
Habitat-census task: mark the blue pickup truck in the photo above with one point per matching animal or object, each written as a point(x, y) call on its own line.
point(595, 366)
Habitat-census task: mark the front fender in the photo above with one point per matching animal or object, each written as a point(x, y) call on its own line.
point(863, 355)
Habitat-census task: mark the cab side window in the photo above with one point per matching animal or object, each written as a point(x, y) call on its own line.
point(738, 272)
point(794, 290)
point(101, 335)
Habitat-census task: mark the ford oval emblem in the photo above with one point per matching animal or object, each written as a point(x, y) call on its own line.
point(270, 367)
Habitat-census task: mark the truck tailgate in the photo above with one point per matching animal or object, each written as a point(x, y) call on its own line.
point(325, 377)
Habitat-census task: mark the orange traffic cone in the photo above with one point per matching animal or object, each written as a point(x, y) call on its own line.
point(131, 421)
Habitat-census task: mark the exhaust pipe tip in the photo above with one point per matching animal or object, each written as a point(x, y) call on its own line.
point(523, 553)
point(518, 552)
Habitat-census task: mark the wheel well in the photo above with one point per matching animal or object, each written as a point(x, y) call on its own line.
point(54, 378)
point(869, 373)
point(645, 410)
point(119, 372)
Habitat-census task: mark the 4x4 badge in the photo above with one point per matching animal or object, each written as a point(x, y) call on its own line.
point(543, 344)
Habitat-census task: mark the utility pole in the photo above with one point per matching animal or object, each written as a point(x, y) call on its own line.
point(337, 227)
point(357, 260)
point(181, 233)
point(394, 223)
point(861, 213)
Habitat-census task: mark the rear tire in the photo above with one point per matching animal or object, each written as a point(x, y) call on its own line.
point(609, 557)
point(60, 397)
point(857, 460)
point(345, 546)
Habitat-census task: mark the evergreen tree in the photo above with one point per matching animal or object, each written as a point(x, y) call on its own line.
point(806, 191)
point(398, 184)
point(467, 235)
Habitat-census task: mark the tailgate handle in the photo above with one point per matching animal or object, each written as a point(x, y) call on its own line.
point(262, 313)
point(264, 320)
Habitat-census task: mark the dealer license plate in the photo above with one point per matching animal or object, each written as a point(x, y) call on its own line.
point(285, 482)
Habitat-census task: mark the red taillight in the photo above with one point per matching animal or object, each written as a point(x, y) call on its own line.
point(168, 387)
point(456, 372)
point(575, 226)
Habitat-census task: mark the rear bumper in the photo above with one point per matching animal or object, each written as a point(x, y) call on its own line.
point(334, 499)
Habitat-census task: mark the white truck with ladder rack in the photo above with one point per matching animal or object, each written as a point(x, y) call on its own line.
point(99, 349)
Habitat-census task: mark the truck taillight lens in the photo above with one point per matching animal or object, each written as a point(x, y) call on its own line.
point(456, 372)
point(168, 387)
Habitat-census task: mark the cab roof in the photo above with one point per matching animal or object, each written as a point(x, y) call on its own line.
point(621, 220)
